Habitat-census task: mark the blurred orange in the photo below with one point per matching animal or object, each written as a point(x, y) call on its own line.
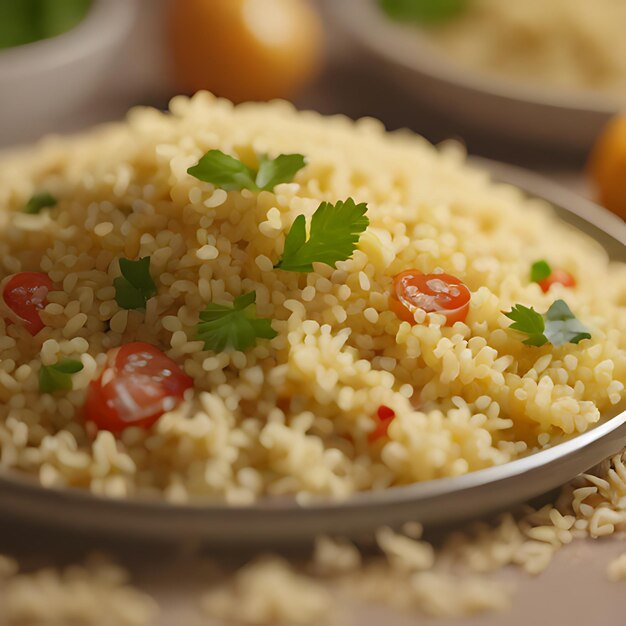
point(244, 49)
point(607, 166)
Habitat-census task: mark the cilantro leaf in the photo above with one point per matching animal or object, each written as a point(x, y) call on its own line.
point(423, 11)
point(223, 171)
point(558, 325)
point(335, 232)
point(231, 174)
point(235, 326)
point(562, 326)
point(39, 201)
point(135, 286)
point(528, 321)
point(58, 377)
point(282, 169)
point(539, 270)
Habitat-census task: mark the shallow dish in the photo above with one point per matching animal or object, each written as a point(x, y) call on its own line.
point(282, 521)
point(506, 109)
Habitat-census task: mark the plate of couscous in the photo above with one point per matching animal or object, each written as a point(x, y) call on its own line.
point(218, 311)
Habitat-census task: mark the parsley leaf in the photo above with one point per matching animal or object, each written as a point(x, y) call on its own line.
point(231, 174)
point(39, 201)
point(529, 322)
point(235, 326)
point(135, 286)
point(558, 325)
point(335, 232)
point(539, 270)
point(282, 169)
point(423, 11)
point(223, 171)
point(58, 377)
point(562, 326)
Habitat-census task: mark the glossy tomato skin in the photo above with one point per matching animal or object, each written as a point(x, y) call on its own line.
point(138, 385)
point(26, 294)
point(434, 293)
point(557, 276)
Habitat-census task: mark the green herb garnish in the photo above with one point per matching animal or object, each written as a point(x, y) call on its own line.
point(334, 235)
point(39, 201)
point(423, 11)
point(233, 326)
point(231, 174)
point(539, 271)
point(135, 286)
point(558, 325)
point(58, 377)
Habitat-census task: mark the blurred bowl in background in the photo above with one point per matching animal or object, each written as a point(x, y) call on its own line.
point(523, 113)
point(49, 80)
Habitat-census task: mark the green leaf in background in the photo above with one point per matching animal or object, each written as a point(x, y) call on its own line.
point(59, 16)
point(540, 270)
point(334, 235)
point(229, 173)
point(135, 286)
point(39, 201)
point(236, 326)
point(25, 21)
point(423, 11)
point(58, 377)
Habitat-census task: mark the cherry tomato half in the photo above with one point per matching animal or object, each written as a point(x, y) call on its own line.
point(26, 294)
point(557, 276)
point(138, 385)
point(434, 293)
point(384, 415)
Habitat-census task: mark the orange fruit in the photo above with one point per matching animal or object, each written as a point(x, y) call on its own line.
point(244, 49)
point(607, 166)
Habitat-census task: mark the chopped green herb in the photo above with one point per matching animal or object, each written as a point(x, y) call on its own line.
point(282, 169)
point(231, 174)
point(334, 235)
point(135, 286)
point(562, 326)
point(539, 271)
point(39, 201)
point(529, 322)
point(423, 11)
point(58, 377)
point(235, 326)
point(558, 325)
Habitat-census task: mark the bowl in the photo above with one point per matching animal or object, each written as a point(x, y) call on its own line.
point(48, 81)
point(506, 109)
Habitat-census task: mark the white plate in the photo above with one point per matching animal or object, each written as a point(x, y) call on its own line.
point(486, 103)
point(282, 521)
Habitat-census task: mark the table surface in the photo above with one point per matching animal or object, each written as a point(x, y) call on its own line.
point(573, 591)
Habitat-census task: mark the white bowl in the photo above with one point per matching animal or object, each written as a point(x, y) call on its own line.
point(489, 104)
point(44, 82)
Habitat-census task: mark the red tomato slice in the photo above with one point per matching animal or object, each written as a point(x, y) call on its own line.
point(26, 294)
point(138, 385)
point(384, 416)
point(557, 276)
point(434, 293)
